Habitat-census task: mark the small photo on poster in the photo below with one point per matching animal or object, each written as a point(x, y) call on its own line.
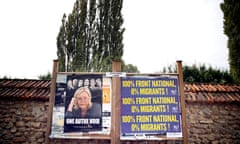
point(83, 105)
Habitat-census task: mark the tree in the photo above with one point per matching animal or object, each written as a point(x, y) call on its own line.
point(91, 36)
point(231, 11)
point(202, 74)
point(6, 77)
point(129, 68)
point(47, 76)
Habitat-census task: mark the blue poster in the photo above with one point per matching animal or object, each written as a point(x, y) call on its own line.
point(150, 105)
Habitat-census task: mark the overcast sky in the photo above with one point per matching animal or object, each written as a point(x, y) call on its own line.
point(157, 34)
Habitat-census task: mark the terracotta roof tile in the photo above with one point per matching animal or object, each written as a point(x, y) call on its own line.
point(24, 89)
point(212, 93)
point(194, 92)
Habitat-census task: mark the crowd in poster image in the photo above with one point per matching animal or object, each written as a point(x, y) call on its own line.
point(92, 83)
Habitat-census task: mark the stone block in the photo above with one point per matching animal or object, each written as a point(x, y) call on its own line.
point(20, 124)
point(19, 139)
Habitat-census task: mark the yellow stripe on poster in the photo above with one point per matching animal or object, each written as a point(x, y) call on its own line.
point(106, 95)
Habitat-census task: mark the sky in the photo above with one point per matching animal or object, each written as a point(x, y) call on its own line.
point(158, 33)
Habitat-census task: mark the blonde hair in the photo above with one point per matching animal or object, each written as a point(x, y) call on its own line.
point(78, 92)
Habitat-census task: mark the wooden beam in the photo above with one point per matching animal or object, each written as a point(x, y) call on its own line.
point(115, 110)
point(182, 99)
point(51, 100)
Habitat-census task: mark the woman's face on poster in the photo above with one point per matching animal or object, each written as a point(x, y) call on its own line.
point(83, 100)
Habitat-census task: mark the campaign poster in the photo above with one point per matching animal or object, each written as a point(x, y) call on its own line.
point(82, 103)
point(150, 106)
point(59, 106)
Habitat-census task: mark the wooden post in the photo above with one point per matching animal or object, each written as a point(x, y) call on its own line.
point(115, 124)
point(51, 100)
point(182, 99)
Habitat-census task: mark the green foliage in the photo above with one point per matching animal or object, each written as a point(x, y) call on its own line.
point(203, 74)
point(90, 38)
point(231, 11)
point(47, 76)
point(129, 68)
point(169, 69)
point(6, 77)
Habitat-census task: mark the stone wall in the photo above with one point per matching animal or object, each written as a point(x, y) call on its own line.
point(26, 122)
point(216, 123)
point(23, 121)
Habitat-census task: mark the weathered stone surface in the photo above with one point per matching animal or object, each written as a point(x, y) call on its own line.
point(20, 123)
point(26, 122)
point(13, 130)
point(25, 106)
point(205, 121)
point(39, 135)
point(27, 118)
point(40, 140)
point(43, 119)
point(4, 132)
point(9, 125)
point(19, 139)
point(36, 124)
point(215, 123)
point(18, 134)
point(18, 112)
